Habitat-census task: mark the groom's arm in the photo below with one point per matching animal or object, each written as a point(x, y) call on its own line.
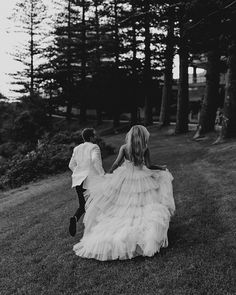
point(118, 160)
point(97, 160)
point(72, 163)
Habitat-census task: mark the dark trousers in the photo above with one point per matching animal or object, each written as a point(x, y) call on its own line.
point(80, 192)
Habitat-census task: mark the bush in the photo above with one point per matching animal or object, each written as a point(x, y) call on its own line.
point(61, 137)
point(3, 165)
point(66, 138)
point(44, 160)
point(49, 157)
point(8, 149)
point(24, 121)
point(27, 126)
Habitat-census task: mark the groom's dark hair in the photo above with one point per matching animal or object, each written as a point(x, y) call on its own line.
point(87, 133)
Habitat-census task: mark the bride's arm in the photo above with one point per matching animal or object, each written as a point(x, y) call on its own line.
point(147, 159)
point(118, 160)
point(148, 162)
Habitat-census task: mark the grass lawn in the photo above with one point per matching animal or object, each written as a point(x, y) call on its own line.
point(36, 249)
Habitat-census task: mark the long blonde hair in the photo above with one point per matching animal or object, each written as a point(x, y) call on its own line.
point(136, 143)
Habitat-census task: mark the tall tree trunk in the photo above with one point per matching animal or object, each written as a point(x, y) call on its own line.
point(117, 41)
point(99, 116)
point(116, 120)
point(147, 66)
point(183, 92)
point(134, 115)
point(69, 71)
point(32, 51)
point(211, 97)
point(50, 109)
point(83, 109)
point(98, 57)
point(97, 29)
point(134, 110)
point(194, 74)
point(168, 75)
point(230, 93)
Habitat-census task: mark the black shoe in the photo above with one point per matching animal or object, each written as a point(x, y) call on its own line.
point(80, 214)
point(72, 227)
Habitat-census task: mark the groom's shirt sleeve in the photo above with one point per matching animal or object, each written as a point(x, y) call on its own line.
point(97, 160)
point(72, 163)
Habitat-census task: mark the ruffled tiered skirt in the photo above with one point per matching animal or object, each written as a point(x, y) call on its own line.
point(127, 214)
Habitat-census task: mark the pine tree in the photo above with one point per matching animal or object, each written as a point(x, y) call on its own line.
point(134, 110)
point(183, 87)
point(97, 66)
point(211, 96)
point(147, 64)
point(229, 128)
point(29, 18)
point(168, 68)
point(205, 34)
point(68, 54)
point(228, 24)
point(212, 33)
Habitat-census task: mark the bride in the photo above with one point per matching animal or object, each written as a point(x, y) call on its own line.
point(128, 211)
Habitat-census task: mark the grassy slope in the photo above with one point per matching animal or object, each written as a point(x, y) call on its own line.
point(36, 250)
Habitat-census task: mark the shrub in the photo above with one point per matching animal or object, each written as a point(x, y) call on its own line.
point(66, 138)
point(47, 158)
point(76, 137)
point(61, 137)
point(3, 165)
point(26, 128)
point(8, 149)
point(24, 121)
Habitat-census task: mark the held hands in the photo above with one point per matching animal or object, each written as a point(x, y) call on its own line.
point(159, 167)
point(164, 167)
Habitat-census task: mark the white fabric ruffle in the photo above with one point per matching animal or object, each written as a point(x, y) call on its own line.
point(127, 214)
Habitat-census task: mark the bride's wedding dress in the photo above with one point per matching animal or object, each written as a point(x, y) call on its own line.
point(128, 214)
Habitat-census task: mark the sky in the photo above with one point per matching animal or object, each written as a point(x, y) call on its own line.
point(9, 41)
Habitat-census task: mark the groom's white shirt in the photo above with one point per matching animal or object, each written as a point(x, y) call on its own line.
point(85, 163)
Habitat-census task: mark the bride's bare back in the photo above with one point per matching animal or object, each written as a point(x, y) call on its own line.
point(124, 155)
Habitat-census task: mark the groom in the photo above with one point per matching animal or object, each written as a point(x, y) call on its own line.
point(85, 163)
